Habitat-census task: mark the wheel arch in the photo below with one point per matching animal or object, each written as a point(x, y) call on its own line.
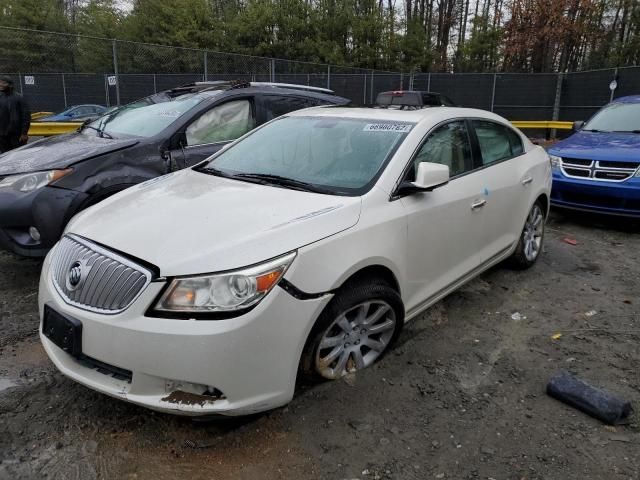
point(544, 201)
point(372, 271)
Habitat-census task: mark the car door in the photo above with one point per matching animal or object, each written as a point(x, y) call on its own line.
point(506, 180)
point(212, 130)
point(445, 227)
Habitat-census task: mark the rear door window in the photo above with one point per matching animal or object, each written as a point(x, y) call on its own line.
point(497, 142)
point(431, 100)
point(446, 101)
point(278, 105)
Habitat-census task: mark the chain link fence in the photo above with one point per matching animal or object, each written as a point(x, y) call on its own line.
point(54, 71)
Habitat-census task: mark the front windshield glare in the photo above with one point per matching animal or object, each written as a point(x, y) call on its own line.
point(143, 120)
point(617, 117)
point(339, 155)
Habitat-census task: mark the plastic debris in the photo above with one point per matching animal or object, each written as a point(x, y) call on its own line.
point(350, 379)
point(570, 241)
point(593, 401)
point(590, 313)
point(517, 316)
point(556, 336)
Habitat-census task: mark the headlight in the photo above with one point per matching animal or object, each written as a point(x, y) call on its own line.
point(28, 182)
point(556, 162)
point(224, 292)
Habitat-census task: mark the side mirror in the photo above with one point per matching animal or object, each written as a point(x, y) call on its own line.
point(577, 125)
point(428, 177)
point(431, 175)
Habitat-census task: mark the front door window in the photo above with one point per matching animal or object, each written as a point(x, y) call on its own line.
point(222, 123)
point(448, 145)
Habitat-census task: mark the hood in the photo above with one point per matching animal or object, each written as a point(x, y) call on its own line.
point(58, 152)
point(189, 223)
point(599, 146)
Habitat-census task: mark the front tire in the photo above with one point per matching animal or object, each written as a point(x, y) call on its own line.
point(531, 239)
point(355, 330)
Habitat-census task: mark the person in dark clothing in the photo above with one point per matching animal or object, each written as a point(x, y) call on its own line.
point(15, 117)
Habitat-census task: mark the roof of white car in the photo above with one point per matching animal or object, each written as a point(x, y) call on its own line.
point(415, 116)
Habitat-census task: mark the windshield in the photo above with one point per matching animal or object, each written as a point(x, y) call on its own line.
point(326, 154)
point(617, 117)
point(144, 118)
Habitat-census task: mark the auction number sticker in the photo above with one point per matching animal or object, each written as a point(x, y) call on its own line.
point(387, 127)
point(29, 80)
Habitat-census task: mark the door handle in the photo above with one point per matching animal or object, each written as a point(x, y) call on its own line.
point(527, 180)
point(478, 204)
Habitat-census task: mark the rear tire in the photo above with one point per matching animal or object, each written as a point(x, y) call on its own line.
point(531, 239)
point(354, 331)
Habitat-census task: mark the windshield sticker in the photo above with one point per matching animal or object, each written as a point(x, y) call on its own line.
point(169, 113)
point(387, 127)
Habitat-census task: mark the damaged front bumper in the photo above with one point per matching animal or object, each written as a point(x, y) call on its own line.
point(46, 209)
point(236, 366)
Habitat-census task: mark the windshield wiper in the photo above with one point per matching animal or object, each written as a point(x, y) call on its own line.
point(267, 178)
point(626, 131)
point(213, 171)
point(103, 123)
point(594, 130)
point(101, 133)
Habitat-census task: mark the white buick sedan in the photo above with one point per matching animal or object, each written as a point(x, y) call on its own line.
point(300, 250)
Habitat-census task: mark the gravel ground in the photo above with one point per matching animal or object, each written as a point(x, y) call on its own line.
point(461, 396)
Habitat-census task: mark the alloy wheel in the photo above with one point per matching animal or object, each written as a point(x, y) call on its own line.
point(355, 339)
point(532, 233)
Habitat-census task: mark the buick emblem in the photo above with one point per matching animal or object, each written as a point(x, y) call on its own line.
point(75, 276)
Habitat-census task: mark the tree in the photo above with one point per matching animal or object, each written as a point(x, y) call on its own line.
point(411, 35)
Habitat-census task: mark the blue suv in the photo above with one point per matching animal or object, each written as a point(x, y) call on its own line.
point(597, 168)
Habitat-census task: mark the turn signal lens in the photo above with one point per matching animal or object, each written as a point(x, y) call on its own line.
point(55, 175)
point(267, 281)
point(183, 296)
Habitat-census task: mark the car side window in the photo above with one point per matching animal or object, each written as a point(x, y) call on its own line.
point(516, 143)
point(431, 100)
point(448, 145)
point(497, 142)
point(446, 101)
point(224, 122)
point(277, 105)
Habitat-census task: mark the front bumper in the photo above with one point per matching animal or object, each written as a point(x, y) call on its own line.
point(252, 359)
point(48, 209)
point(613, 198)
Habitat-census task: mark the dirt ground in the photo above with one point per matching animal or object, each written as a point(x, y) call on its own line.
point(461, 396)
